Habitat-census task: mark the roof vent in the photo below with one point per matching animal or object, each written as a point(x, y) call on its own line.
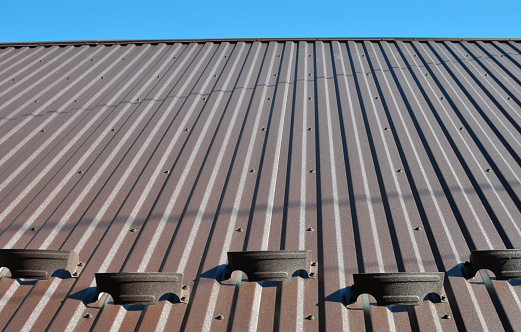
point(400, 288)
point(37, 264)
point(143, 288)
point(505, 264)
point(271, 265)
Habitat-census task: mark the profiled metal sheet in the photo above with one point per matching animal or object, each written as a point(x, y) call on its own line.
point(378, 155)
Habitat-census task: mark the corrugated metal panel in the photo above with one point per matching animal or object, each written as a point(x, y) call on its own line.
point(379, 156)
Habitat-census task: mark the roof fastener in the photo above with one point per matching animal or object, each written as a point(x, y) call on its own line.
point(363, 55)
point(67, 78)
point(310, 98)
point(446, 316)
point(75, 274)
point(311, 171)
point(269, 98)
point(91, 59)
point(133, 230)
point(443, 298)
point(138, 99)
point(310, 229)
point(309, 74)
point(157, 76)
point(75, 100)
point(101, 77)
point(167, 171)
point(42, 131)
point(36, 101)
point(376, 97)
point(33, 228)
point(312, 275)
point(418, 228)
point(310, 55)
point(186, 129)
point(80, 263)
point(204, 98)
point(399, 170)
point(508, 98)
point(263, 129)
point(220, 317)
point(183, 298)
point(88, 315)
point(501, 55)
point(426, 74)
point(278, 55)
point(486, 74)
point(310, 128)
point(460, 128)
point(441, 98)
point(13, 79)
point(252, 170)
point(314, 263)
point(240, 229)
point(310, 317)
point(386, 128)
point(214, 75)
point(488, 170)
point(123, 59)
point(185, 286)
point(113, 129)
point(81, 172)
point(274, 74)
point(414, 55)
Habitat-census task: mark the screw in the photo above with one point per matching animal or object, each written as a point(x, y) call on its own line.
point(263, 129)
point(269, 98)
point(310, 55)
point(508, 98)
point(486, 74)
point(133, 230)
point(204, 98)
point(67, 78)
point(310, 229)
point(75, 274)
point(274, 74)
point(310, 128)
point(376, 97)
point(367, 74)
point(101, 77)
point(36, 101)
point(214, 75)
point(88, 315)
point(167, 172)
point(42, 131)
point(80, 264)
point(363, 55)
point(138, 99)
point(310, 98)
point(314, 263)
point(91, 59)
point(418, 228)
point(252, 170)
point(443, 298)
point(460, 128)
point(123, 59)
point(311, 171)
point(312, 275)
point(75, 100)
point(219, 317)
point(80, 172)
point(278, 56)
point(446, 316)
point(33, 228)
point(185, 286)
point(309, 74)
point(426, 74)
point(183, 298)
point(13, 79)
point(157, 76)
point(488, 170)
point(441, 98)
point(386, 128)
point(414, 55)
point(186, 129)
point(501, 55)
point(310, 317)
point(399, 170)
point(113, 129)
point(239, 229)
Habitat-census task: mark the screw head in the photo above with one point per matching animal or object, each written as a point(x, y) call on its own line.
point(185, 286)
point(186, 129)
point(399, 170)
point(311, 171)
point(446, 316)
point(220, 317)
point(312, 275)
point(42, 131)
point(386, 128)
point(460, 128)
point(80, 264)
point(269, 98)
point(240, 229)
point(441, 98)
point(252, 170)
point(33, 228)
point(443, 298)
point(376, 97)
point(133, 230)
point(167, 172)
point(263, 129)
point(310, 317)
point(488, 170)
point(183, 298)
point(113, 129)
point(88, 315)
point(314, 263)
point(204, 98)
point(75, 274)
point(418, 228)
point(310, 128)
point(310, 229)
point(310, 98)
point(81, 172)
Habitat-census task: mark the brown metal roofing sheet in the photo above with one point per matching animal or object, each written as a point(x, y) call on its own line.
point(395, 155)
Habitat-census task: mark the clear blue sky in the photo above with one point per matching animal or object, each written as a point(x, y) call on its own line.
point(29, 20)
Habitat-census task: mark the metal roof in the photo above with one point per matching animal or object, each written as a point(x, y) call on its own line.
point(391, 155)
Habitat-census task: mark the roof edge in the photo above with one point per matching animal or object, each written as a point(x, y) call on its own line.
point(222, 40)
